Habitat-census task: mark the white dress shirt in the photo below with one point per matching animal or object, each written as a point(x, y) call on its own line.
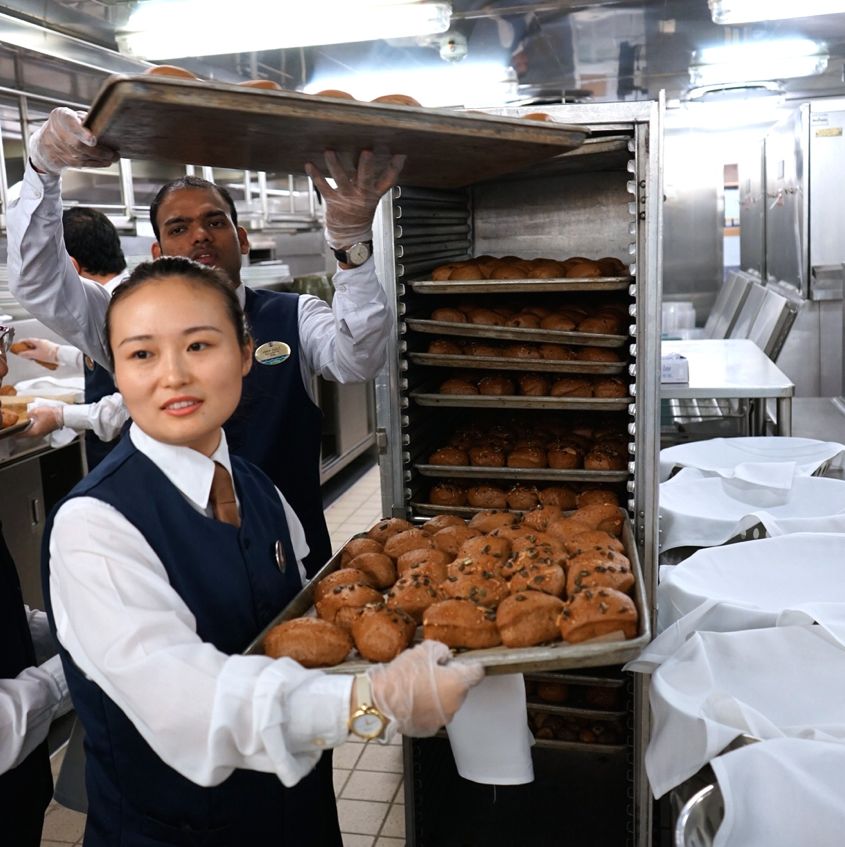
point(130, 632)
point(344, 342)
point(31, 701)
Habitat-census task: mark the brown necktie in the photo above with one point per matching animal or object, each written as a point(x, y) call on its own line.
point(222, 497)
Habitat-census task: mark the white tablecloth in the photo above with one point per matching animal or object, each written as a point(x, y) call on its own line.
point(767, 683)
point(702, 511)
point(782, 793)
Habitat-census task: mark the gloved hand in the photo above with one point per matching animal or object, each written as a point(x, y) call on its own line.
point(43, 420)
point(62, 142)
point(39, 349)
point(351, 206)
point(421, 689)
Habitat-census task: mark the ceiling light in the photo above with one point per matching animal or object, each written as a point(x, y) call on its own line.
point(167, 29)
point(744, 11)
point(760, 60)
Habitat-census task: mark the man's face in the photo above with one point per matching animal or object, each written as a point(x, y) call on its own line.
point(195, 223)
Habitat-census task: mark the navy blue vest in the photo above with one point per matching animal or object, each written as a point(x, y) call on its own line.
point(25, 790)
point(98, 384)
point(229, 579)
point(277, 426)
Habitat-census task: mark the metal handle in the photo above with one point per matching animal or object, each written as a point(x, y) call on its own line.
point(35, 511)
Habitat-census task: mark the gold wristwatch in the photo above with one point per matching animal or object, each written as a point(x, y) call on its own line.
point(365, 721)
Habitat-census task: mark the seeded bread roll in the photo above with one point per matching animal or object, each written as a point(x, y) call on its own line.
point(527, 457)
point(268, 84)
point(486, 497)
point(594, 539)
point(444, 347)
point(524, 320)
point(7, 418)
point(487, 456)
point(558, 322)
point(558, 495)
point(536, 539)
point(604, 460)
point(439, 522)
point(610, 386)
point(312, 642)
point(353, 596)
point(566, 528)
point(571, 386)
point(457, 386)
point(435, 569)
point(449, 456)
point(491, 519)
point(546, 577)
point(355, 546)
point(607, 518)
point(485, 545)
point(449, 315)
point(597, 497)
point(584, 269)
point(343, 576)
point(522, 497)
point(450, 538)
point(557, 352)
point(379, 567)
point(597, 354)
point(390, 526)
point(599, 569)
point(419, 555)
point(530, 557)
point(481, 587)
point(447, 494)
point(602, 325)
point(485, 317)
point(413, 594)
point(540, 517)
point(410, 539)
point(534, 385)
point(521, 351)
point(334, 92)
point(170, 70)
point(529, 618)
point(563, 456)
point(594, 613)
point(381, 634)
point(396, 100)
point(496, 385)
point(461, 624)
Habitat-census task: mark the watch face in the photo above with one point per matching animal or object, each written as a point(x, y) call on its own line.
point(367, 725)
point(358, 253)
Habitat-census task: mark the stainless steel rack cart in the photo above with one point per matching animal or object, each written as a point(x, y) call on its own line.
point(602, 199)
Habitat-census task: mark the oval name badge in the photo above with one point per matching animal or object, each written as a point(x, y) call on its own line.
point(272, 353)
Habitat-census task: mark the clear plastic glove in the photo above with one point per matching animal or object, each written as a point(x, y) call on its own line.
point(351, 206)
point(421, 689)
point(62, 142)
point(38, 349)
point(43, 420)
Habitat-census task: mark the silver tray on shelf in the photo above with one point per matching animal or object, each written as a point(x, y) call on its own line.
point(545, 474)
point(506, 363)
point(515, 333)
point(578, 679)
point(498, 660)
point(580, 746)
point(520, 286)
point(494, 401)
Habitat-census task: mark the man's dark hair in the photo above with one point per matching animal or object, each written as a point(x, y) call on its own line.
point(91, 239)
point(188, 182)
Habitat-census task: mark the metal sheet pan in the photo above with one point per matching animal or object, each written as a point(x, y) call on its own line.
point(498, 660)
point(504, 363)
point(14, 429)
point(492, 401)
point(546, 474)
point(519, 286)
point(515, 333)
point(576, 711)
point(594, 680)
point(226, 125)
point(580, 747)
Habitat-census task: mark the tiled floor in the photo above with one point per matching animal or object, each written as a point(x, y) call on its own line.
point(367, 777)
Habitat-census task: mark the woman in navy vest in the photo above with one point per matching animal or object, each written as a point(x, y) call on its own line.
point(154, 592)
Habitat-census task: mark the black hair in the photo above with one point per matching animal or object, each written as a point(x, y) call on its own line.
point(189, 182)
point(170, 266)
point(91, 239)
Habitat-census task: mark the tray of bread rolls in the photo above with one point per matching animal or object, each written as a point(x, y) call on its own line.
point(517, 592)
point(515, 333)
point(269, 129)
point(566, 366)
point(504, 401)
point(520, 474)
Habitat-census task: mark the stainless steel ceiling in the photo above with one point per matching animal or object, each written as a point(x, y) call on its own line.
point(611, 50)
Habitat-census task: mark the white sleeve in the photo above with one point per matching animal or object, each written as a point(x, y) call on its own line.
point(297, 536)
point(130, 632)
point(347, 341)
point(39, 630)
point(105, 418)
point(41, 275)
point(28, 704)
point(67, 354)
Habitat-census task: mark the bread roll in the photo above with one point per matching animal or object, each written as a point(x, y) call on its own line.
point(334, 92)
point(524, 320)
point(487, 456)
point(439, 522)
point(527, 457)
point(410, 539)
point(544, 576)
point(564, 529)
point(599, 569)
point(486, 497)
point(605, 460)
point(7, 418)
point(557, 495)
point(557, 352)
point(312, 642)
point(564, 456)
point(591, 614)
point(379, 567)
point(491, 519)
point(597, 497)
point(533, 385)
point(570, 386)
point(496, 385)
point(467, 272)
point(343, 576)
point(444, 347)
point(481, 587)
point(547, 269)
point(598, 354)
point(610, 386)
point(267, 84)
point(497, 548)
point(450, 315)
point(442, 272)
point(521, 351)
point(390, 526)
point(540, 517)
point(457, 386)
point(485, 317)
point(611, 266)
point(353, 596)
point(396, 100)
point(529, 618)
point(381, 634)
point(413, 594)
point(461, 624)
point(449, 456)
point(420, 555)
point(604, 517)
point(507, 270)
point(586, 269)
point(603, 325)
point(558, 322)
point(355, 546)
point(450, 538)
point(522, 497)
point(447, 494)
point(593, 539)
point(170, 70)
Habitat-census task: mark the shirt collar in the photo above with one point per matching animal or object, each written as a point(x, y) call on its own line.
point(188, 470)
point(240, 293)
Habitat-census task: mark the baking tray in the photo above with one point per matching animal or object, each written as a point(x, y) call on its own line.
point(226, 125)
point(576, 711)
point(519, 286)
point(14, 429)
point(580, 746)
point(507, 363)
point(495, 401)
point(546, 474)
point(578, 679)
point(499, 660)
point(515, 333)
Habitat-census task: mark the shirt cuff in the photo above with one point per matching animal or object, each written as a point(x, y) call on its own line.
point(38, 185)
point(77, 416)
point(360, 282)
point(53, 667)
point(69, 355)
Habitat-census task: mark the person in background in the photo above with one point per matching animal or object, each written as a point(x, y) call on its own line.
point(93, 244)
point(163, 564)
point(31, 696)
point(278, 425)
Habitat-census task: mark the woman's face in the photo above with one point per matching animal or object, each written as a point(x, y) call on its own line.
point(177, 361)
